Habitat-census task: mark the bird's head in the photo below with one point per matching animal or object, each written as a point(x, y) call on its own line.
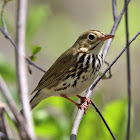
point(91, 41)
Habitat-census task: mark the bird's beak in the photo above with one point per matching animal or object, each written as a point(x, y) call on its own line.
point(106, 37)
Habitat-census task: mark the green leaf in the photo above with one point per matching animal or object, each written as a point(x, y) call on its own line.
point(49, 126)
point(33, 58)
point(35, 49)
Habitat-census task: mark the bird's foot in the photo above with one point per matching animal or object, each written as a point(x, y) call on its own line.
point(83, 105)
point(84, 99)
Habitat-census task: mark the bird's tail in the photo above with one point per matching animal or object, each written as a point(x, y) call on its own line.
point(37, 98)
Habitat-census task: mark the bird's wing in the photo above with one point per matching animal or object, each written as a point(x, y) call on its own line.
point(58, 69)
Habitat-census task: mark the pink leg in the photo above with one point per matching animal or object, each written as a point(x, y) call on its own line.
point(78, 105)
point(69, 99)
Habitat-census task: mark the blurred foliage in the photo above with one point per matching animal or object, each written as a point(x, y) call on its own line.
point(7, 70)
point(47, 112)
point(91, 127)
point(7, 19)
point(53, 117)
point(115, 115)
point(69, 33)
point(8, 73)
point(36, 16)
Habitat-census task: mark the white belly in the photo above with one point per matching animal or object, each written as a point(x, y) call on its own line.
point(82, 79)
point(73, 86)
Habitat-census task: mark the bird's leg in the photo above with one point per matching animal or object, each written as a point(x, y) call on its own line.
point(80, 106)
point(83, 99)
point(68, 99)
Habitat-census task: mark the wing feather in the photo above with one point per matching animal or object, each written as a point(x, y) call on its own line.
point(58, 69)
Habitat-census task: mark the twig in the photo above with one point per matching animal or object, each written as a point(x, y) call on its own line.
point(2, 19)
point(114, 9)
point(10, 115)
point(21, 68)
point(98, 111)
point(2, 121)
point(89, 91)
point(128, 73)
point(35, 65)
point(19, 118)
point(113, 30)
point(7, 36)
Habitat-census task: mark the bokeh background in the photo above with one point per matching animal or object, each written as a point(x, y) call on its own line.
point(54, 26)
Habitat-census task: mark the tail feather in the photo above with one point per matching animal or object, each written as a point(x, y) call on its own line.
point(37, 98)
point(33, 102)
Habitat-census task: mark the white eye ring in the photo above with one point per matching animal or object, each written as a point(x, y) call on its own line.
point(91, 36)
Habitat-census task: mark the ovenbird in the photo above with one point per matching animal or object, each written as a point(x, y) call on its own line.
point(74, 71)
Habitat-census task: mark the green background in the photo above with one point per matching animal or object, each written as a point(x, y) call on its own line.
point(54, 26)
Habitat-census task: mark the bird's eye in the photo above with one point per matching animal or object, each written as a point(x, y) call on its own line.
point(91, 36)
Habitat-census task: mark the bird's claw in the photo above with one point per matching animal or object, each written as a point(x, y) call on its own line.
point(84, 99)
point(83, 106)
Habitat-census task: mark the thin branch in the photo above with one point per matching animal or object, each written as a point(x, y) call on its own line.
point(7, 36)
point(2, 12)
point(98, 111)
point(35, 65)
point(19, 118)
point(114, 9)
point(128, 73)
point(2, 121)
point(113, 30)
point(76, 124)
point(21, 66)
point(10, 115)
point(89, 91)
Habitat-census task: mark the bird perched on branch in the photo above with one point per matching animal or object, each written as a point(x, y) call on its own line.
point(74, 71)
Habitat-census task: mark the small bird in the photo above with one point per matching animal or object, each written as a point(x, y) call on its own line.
point(74, 71)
